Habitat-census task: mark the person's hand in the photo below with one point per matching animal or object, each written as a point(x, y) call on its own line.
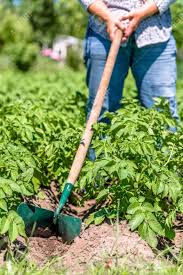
point(134, 18)
point(112, 25)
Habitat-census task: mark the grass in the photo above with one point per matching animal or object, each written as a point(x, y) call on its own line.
point(26, 268)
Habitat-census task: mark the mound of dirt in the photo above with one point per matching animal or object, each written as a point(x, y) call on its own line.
point(106, 244)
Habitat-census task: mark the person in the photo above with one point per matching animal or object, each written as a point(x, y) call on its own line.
point(147, 47)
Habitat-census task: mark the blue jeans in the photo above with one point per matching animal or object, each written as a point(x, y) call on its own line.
point(153, 68)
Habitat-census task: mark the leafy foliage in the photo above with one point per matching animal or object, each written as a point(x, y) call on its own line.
point(16, 40)
point(178, 23)
point(43, 18)
point(138, 171)
point(138, 166)
point(40, 128)
point(76, 18)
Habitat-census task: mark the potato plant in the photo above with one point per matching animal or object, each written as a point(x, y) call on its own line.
point(41, 118)
point(137, 171)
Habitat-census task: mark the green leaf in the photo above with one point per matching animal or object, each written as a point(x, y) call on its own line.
point(180, 205)
point(14, 174)
point(7, 189)
point(160, 188)
point(133, 199)
point(3, 205)
point(105, 164)
point(141, 199)
point(25, 191)
point(151, 238)
point(143, 230)
point(4, 226)
point(2, 194)
point(99, 220)
point(148, 207)
point(171, 218)
point(41, 195)
point(133, 207)
point(15, 187)
point(154, 224)
point(157, 208)
point(36, 184)
point(90, 219)
point(28, 175)
point(169, 233)
point(148, 234)
point(21, 229)
point(136, 220)
point(148, 184)
point(102, 194)
point(174, 190)
point(123, 174)
point(13, 231)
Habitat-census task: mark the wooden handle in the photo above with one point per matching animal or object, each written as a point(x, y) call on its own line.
point(96, 109)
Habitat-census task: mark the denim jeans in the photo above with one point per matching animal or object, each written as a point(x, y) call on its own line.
point(153, 68)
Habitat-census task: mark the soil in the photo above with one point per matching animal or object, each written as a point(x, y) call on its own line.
point(48, 198)
point(109, 245)
point(105, 243)
point(43, 249)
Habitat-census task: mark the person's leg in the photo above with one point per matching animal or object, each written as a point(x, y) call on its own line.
point(154, 69)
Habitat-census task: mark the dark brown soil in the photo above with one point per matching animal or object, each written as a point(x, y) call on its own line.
point(48, 200)
point(43, 249)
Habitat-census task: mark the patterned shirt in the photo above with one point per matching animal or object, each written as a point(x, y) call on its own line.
point(152, 30)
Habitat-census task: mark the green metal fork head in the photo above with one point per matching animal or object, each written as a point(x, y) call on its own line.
point(32, 214)
point(67, 226)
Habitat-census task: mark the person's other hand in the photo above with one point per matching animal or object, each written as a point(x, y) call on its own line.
point(134, 18)
point(112, 25)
